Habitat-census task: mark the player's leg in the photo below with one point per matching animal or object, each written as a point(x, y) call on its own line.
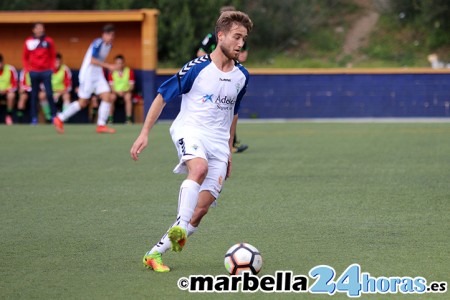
point(192, 162)
point(128, 99)
point(153, 258)
point(103, 113)
point(45, 106)
point(237, 146)
point(65, 100)
point(35, 78)
point(103, 90)
point(205, 200)
point(10, 97)
point(209, 192)
point(84, 93)
point(94, 108)
point(175, 238)
point(187, 200)
point(23, 98)
point(47, 80)
point(111, 110)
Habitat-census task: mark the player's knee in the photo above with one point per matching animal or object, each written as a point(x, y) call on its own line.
point(198, 169)
point(199, 172)
point(82, 102)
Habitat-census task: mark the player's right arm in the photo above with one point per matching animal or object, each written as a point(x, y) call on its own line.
point(150, 120)
point(95, 59)
point(25, 56)
point(102, 64)
point(173, 87)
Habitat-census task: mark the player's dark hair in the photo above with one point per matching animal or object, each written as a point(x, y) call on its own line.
point(108, 28)
point(228, 18)
point(1, 58)
point(37, 24)
point(58, 55)
point(119, 56)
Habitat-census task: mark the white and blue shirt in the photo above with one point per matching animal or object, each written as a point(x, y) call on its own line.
point(210, 98)
point(99, 50)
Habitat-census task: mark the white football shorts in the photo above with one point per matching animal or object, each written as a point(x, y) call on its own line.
point(191, 147)
point(95, 85)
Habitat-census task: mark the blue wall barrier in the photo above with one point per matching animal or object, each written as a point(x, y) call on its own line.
point(340, 96)
point(320, 95)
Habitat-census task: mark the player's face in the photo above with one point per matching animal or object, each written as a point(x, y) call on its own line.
point(232, 42)
point(119, 64)
point(108, 37)
point(57, 63)
point(39, 30)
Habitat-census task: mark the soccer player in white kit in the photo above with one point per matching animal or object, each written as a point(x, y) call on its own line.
point(92, 80)
point(212, 88)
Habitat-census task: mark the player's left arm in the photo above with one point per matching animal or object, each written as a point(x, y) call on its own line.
point(52, 50)
point(230, 144)
point(150, 120)
point(67, 79)
point(131, 81)
point(14, 80)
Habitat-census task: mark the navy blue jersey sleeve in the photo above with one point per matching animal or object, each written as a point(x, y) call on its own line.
point(181, 83)
point(243, 91)
point(96, 45)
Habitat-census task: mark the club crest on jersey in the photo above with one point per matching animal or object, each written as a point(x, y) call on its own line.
point(207, 98)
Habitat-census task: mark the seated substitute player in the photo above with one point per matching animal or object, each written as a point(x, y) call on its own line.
point(122, 85)
point(212, 88)
point(8, 88)
point(24, 94)
point(92, 80)
point(207, 45)
point(61, 83)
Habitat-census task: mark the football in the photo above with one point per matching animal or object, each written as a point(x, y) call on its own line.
point(243, 257)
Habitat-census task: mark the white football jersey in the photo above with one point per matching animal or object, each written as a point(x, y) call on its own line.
point(99, 50)
point(210, 99)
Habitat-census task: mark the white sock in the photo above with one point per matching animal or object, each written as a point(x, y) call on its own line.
point(191, 230)
point(164, 243)
point(187, 201)
point(103, 113)
point(73, 108)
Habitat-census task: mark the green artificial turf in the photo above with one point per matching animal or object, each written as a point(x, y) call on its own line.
point(77, 214)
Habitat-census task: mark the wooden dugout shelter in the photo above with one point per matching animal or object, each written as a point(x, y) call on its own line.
point(73, 31)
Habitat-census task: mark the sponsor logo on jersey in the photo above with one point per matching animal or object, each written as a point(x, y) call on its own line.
point(225, 103)
point(207, 98)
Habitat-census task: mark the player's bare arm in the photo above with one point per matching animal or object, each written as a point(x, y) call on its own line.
point(150, 120)
point(230, 143)
point(102, 64)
